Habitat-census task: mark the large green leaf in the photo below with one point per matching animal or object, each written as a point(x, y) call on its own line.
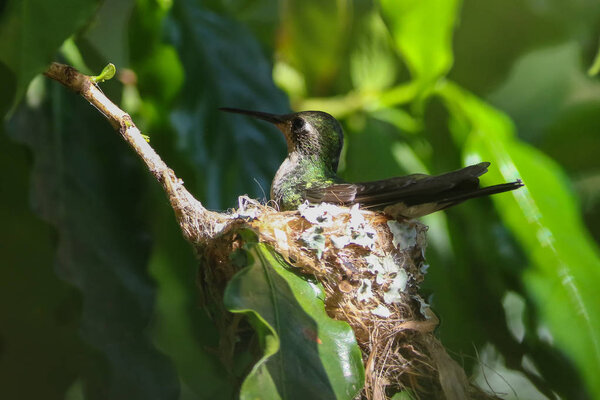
point(544, 216)
point(373, 63)
point(422, 31)
point(559, 114)
point(31, 31)
point(306, 354)
point(39, 313)
point(232, 154)
point(492, 34)
point(556, 83)
point(88, 185)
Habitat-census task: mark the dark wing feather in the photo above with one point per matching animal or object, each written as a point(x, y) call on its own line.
point(351, 193)
point(445, 190)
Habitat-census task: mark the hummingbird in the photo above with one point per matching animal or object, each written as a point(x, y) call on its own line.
point(309, 173)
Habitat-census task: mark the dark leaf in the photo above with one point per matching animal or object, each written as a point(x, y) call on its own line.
point(306, 354)
point(225, 66)
point(31, 31)
point(86, 183)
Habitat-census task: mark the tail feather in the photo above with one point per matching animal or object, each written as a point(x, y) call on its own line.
point(412, 195)
point(480, 192)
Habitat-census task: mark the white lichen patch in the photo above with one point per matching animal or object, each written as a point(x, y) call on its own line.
point(314, 240)
point(381, 311)
point(361, 233)
point(363, 238)
point(364, 292)
point(374, 263)
point(320, 214)
point(404, 235)
point(382, 267)
point(424, 308)
point(281, 239)
point(220, 226)
point(393, 294)
point(355, 231)
point(339, 242)
point(389, 274)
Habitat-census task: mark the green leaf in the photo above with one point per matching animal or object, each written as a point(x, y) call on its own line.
point(314, 39)
point(556, 83)
point(107, 73)
point(544, 216)
point(595, 67)
point(87, 184)
point(422, 31)
point(558, 112)
point(373, 64)
point(260, 16)
point(483, 57)
point(108, 33)
point(403, 395)
point(370, 143)
point(31, 31)
point(224, 148)
point(180, 329)
point(159, 72)
point(306, 354)
point(39, 313)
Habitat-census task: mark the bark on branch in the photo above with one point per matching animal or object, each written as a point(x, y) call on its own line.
point(197, 223)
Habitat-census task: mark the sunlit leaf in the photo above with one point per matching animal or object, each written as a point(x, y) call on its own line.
point(306, 354)
point(544, 216)
point(559, 114)
point(422, 31)
point(158, 75)
point(373, 65)
point(595, 67)
point(313, 39)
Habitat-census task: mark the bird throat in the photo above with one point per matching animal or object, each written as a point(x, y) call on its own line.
point(296, 174)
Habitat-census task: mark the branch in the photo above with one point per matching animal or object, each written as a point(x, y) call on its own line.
point(197, 223)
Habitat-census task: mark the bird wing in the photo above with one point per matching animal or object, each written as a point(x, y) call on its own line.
point(444, 190)
point(363, 192)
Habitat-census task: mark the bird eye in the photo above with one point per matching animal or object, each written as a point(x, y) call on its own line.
point(297, 124)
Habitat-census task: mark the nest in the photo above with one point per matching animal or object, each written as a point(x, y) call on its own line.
point(371, 267)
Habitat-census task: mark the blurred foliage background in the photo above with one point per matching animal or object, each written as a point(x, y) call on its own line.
point(97, 288)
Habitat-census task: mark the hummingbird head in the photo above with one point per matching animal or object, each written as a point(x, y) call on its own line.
point(307, 133)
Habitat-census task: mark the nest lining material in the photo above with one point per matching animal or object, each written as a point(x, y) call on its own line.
point(371, 267)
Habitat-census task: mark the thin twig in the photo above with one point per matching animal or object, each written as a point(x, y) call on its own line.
point(197, 223)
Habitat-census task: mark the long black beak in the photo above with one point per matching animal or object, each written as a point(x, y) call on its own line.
point(272, 118)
